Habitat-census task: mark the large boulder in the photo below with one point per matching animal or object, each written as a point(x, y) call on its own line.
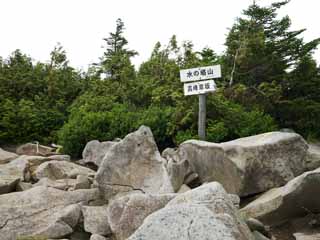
point(42, 211)
point(8, 183)
point(61, 170)
point(34, 150)
point(248, 165)
point(95, 220)
point(127, 213)
point(298, 197)
point(23, 167)
point(134, 163)
point(206, 212)
point(6, 157)
point(313, 157)
point(95, 151)
point(177, 169)
point(19, 169)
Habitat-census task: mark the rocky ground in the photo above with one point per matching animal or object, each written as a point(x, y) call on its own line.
point(260, 187)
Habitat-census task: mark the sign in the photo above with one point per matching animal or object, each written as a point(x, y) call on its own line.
point(201, 87)
point(200, 73)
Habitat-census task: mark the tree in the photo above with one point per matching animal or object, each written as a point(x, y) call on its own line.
point(116, 59)
point(261, 48)
point(269, 67)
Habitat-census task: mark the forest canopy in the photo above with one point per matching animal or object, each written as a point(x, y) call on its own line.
point(270, 81)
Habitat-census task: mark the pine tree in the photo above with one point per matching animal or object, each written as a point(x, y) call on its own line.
point(116, 59)
point(261, 48)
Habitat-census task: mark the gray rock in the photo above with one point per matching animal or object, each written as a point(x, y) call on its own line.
point(83, 182)
point(23, 186)
point(34, 150)
point(313, 157)
point(258, 236)
point(6, 157)
point(177, 168)
point(126, 214)
point(95, 151)
point(61, 169)
point(134, 163)
point(298, 197)
point(256, 225)
point(68, 184)
point(8, 183)
point(41, 211)
point(304, 236)
point(19, 169)
point(248, 165)
point(184, 188)
point(190, 178)
point(97, 237)
point(62, 184)
point(60, 157)
point(96, 220)
point(203, 213)
point(22, 167)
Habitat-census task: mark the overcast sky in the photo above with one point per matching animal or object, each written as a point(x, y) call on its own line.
point(35, 26)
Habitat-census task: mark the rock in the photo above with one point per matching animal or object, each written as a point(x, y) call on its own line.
point(19, 169)
point(258, 236)
point(70, 215)
point(126, 214)
point(23, 186)
point(8, 184)
point(62, 184)
point(177, 168)
point(34, 150)
point(313, 157)
point(97, 237)
point(41, 211)
point(134, 163)
point(68, 184)
point(6, 157)
point(248, 165)
point(202, 213)
point(22, 167)
point(191, 177)
point(303, 236)
point(297, 198)
point(96, 220)
point(184, 188)
point(95, 151)
point(61, 169)
point(256, 225)
point(60, 157)
point(235, 199)
point(82, 182)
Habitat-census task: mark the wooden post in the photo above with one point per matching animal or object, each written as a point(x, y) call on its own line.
point(202, 117)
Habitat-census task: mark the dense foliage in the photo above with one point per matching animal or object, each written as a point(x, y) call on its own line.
point(270, 81)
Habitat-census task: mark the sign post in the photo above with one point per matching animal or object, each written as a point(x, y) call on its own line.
point(196, 83)
point(202, 117)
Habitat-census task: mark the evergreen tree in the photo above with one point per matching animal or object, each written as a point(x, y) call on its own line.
point(116, 59)
point(261, 48)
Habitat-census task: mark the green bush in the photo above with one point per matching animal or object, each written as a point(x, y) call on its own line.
point(85, 125)
point(185, 135)
point(216, 131)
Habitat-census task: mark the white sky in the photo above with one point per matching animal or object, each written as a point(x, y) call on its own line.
point(35, 26)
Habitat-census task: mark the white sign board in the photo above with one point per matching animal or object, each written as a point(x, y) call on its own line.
point(200, 87)
point(201, 73)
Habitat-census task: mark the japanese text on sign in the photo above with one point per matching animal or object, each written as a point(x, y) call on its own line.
point(201, 87)
point(202, 73)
